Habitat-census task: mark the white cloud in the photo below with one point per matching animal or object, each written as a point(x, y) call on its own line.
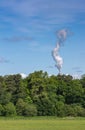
point(76, 76)
point(23, 75)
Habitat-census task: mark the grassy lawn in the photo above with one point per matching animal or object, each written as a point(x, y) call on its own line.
point(42, 123)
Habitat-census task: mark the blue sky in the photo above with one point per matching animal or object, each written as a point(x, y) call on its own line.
point(28, 35)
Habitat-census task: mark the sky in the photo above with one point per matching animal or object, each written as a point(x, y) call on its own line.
point(28, 36)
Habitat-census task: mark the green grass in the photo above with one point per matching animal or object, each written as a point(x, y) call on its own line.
point(42, 123)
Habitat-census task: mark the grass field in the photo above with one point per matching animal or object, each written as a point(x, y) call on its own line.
point(42, 123)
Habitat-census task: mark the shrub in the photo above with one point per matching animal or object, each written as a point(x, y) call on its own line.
point(79, 110)
point(30, 110)
point(69, 111)
point(74, 110)
point(9, 109)
point(1, 110)
point(25, 109)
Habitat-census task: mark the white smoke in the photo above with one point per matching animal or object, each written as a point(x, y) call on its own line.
point(61, 36)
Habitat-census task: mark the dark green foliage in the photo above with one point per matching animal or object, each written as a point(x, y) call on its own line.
point(60, 109)
point(5, 96)
point(41, 95)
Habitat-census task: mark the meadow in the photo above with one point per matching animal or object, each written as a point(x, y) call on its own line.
point(42, 123)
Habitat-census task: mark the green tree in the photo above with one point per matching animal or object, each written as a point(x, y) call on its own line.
point(82, 80)
point(60, 109)
point(74, 92)
point(16, 86)
point(5, 96)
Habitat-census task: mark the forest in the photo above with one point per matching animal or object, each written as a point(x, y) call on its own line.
point(42, 95)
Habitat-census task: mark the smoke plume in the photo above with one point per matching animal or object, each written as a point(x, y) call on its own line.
point(61, 36)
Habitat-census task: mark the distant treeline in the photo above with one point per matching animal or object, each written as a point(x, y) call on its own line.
point(42, 95)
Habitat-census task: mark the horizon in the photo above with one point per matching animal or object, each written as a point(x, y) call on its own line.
point(23, 75)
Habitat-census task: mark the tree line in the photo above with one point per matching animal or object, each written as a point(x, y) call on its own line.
point(42, 95)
